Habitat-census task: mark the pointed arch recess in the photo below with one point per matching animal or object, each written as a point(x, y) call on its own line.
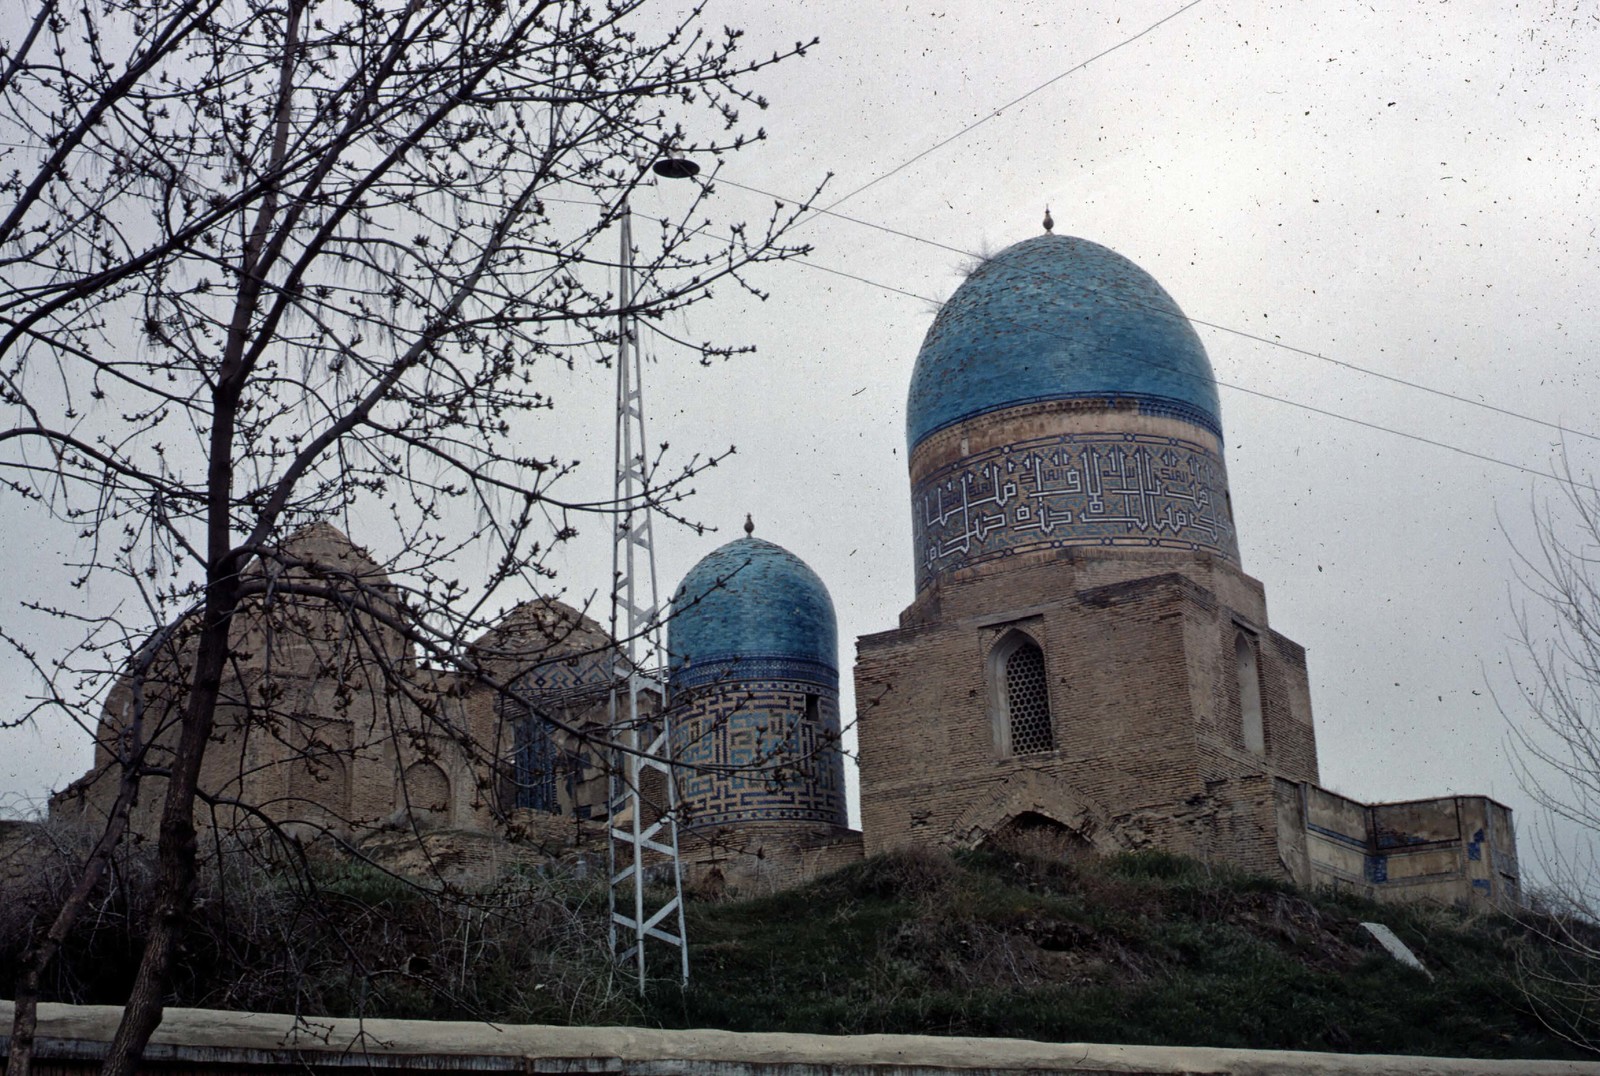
point(1247, 668)
point(1019, 694)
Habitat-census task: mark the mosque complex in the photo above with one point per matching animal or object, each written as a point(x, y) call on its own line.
point(1084, 667)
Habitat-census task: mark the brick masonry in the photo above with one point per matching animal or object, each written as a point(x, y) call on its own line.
point(328, 727)
point(1177, 717)
point(1142, 696)
point(1148, 693)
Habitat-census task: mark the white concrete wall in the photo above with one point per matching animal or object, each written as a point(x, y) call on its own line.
point(208, 1042)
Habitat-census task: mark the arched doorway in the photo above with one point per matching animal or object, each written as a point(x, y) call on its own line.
point(1034, 834)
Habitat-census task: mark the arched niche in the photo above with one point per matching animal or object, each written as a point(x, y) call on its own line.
point(319, 789)
point(1247, 669)
point(426, 788)
point(1019, 696)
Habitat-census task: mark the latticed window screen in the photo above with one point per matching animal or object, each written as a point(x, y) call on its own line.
point(534, 764)
point(1028, 702)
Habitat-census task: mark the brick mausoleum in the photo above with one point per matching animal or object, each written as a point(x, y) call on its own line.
point(1085, 664)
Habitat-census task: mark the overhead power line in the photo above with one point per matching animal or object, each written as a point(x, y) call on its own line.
point(1245, 334)
point(1286, 401)
point(1010, 104)
point(831, 210)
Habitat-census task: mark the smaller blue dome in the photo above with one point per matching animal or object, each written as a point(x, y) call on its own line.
point(747, 600)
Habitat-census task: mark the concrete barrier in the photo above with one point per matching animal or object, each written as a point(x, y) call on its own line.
point(200, 1042)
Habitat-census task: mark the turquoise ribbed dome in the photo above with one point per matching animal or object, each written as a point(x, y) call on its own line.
point(1059, 318)
point(751, 600)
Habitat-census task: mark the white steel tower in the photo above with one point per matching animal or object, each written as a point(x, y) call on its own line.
point(646, 891)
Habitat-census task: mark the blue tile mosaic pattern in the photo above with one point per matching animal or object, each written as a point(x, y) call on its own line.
point(756, 667)
point(1124, 490)
point(1059, 318)
point(762, 750)
point(566, 674)
point(750, 599)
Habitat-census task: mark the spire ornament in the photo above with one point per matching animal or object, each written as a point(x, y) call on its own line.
point(749, 525)
point(1049, 221)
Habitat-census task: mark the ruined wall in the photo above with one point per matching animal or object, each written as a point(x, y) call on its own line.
point(559, 664)
point(755, 859)
point(327, 724)
point(1454, 850)
point(25, 853)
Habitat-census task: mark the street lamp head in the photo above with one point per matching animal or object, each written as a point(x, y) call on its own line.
point(675, 168)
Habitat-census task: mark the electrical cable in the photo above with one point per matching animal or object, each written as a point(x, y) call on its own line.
point(1245, 334)
point(1014, 101)
point(1284, 400)
point(830, 210)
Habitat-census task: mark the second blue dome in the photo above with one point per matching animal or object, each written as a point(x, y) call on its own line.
point(1059, 318)
point(750, 600)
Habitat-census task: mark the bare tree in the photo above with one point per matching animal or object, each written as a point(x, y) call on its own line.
point(271, 261)
point(1554, 725)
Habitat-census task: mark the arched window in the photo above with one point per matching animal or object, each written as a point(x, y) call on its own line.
point(534, 770)
point(1021, 696)
point(427, 791)
point(1247, 667)
point(319, 788)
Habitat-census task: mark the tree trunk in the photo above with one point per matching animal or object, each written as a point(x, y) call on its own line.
point(175, 876)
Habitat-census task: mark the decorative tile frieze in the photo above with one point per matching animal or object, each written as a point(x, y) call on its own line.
point(714, 669)
point(1127, 490)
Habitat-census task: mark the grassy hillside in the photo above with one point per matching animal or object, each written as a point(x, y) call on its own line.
point(1145, 948)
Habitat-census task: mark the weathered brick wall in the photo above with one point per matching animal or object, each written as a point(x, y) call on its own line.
point(1290, 740)
point(328, 724)
point(1072, 569)
point(754, 859)
point(1119, 703)
point(1144, 700)
point(23, 849)
point(466, 857)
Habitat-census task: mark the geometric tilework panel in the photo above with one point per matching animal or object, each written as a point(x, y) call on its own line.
point(580, 674)
point(712, 669)
point(760, 751)
point(1126, 490)
point(539, 769)
point(533, 766)
point(569, 692)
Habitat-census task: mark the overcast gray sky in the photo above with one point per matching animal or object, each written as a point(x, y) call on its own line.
point(1408, 188)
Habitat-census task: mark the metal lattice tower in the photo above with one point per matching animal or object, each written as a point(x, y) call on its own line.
point(642, 850)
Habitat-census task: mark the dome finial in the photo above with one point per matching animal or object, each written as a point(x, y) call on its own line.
point(1049, 221)
point(749, 525)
